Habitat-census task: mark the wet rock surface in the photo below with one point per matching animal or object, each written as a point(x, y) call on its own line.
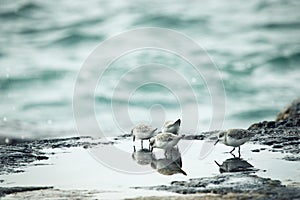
point(5, 191)
point(15, 156)
point(47, 193)
point(237, 183)
point(292, 111)
point(282, 134)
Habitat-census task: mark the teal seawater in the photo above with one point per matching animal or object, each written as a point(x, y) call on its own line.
point(254, 44)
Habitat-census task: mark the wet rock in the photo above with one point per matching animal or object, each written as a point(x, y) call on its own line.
point(17, 193)
point(125, 135)
point(277, 146)
point(194, 137)
point(9, 190)
point(237, 183)
point(292, 158)
point(290, 112)
point(14, 156)
point(209, 135)
point(282, 133)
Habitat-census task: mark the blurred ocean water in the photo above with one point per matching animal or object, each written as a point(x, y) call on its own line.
point(43, 44)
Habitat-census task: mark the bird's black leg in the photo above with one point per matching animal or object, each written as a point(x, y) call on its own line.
point(239, 151)
point(142, 143)
point(133, 138)
point(165, 153)
point(134, 150)
point(232, 150)
point(149, 143)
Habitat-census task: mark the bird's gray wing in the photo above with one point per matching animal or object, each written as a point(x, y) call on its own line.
point(165, 137)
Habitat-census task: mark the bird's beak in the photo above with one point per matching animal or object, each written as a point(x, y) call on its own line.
point(217, 163)
point(217, 141)
point(178, 122)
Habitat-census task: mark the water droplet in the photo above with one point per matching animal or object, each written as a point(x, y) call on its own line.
point(4, 119)
point(7, 140)
point(49, 121)
point(194, 80)
point(7, 75)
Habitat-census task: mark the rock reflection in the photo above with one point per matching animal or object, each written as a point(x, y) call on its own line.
point(170, 164)
point(143, 156)
point(235, 165)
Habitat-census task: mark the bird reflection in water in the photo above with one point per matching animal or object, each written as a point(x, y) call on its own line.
point(235, 165)
point(143, 156)
point(170, 164)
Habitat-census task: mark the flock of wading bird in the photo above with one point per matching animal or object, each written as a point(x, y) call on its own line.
point(167, 139)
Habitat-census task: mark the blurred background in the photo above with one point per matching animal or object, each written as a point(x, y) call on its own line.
point(43, 44)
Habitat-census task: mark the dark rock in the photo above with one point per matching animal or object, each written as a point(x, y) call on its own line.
point(42, 157)
point(292, 158)
point(277, 146)
point(125, 135)
point(194, 137)
point(291, 111)
point(237, 183)
point(264, 124)
point(9, 190)
point(283, 133)
point(271, 124)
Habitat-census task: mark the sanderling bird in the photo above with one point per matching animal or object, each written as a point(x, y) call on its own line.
point(143, 132)
point(171, 126)
point(165, 140)
point(234, 138)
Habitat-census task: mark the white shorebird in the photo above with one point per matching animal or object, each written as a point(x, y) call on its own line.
point(234, 138)
point(171, 126)
point(165, 140)
point(143, 132)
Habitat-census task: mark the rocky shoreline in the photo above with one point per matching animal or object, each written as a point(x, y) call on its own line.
point(282, 135)
point(238, 183)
